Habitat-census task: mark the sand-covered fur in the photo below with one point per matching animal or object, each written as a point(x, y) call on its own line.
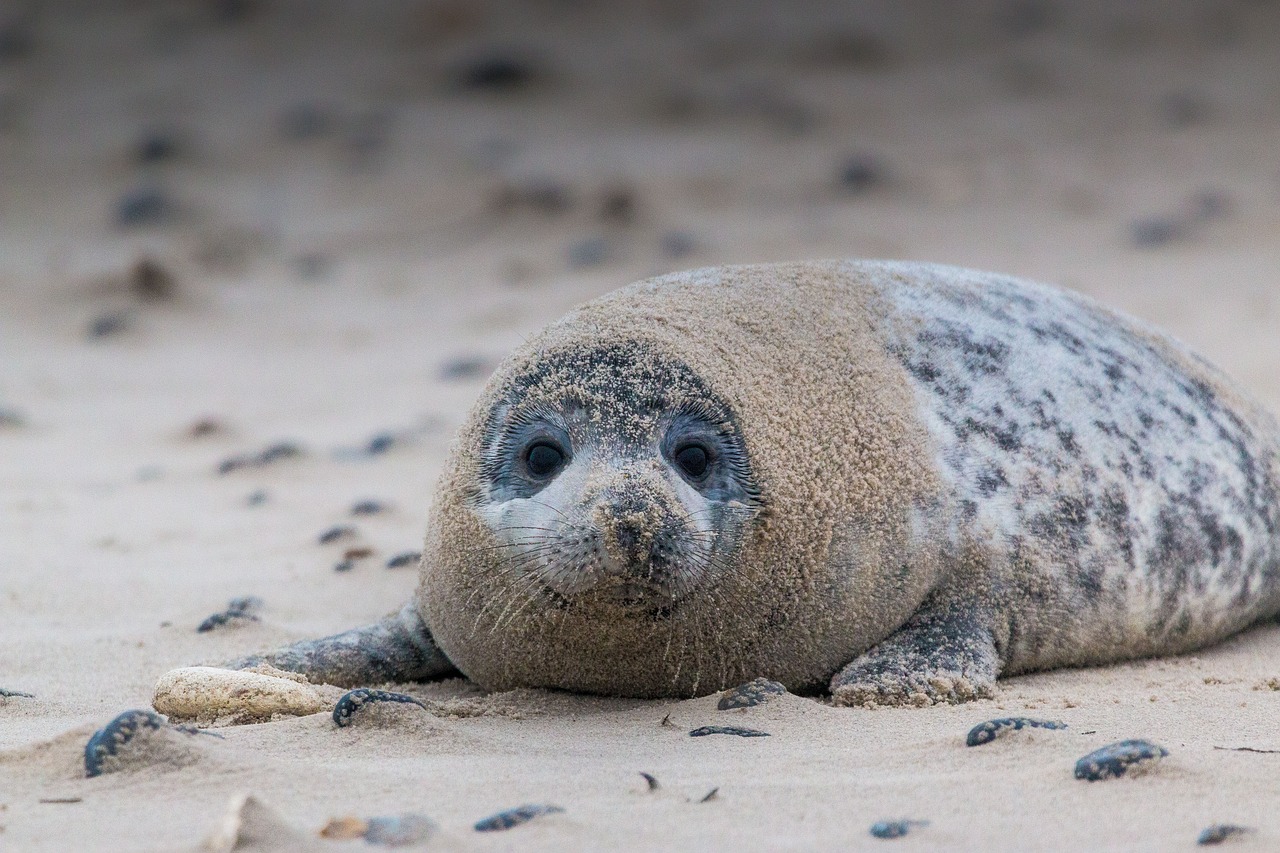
point(1015, 478)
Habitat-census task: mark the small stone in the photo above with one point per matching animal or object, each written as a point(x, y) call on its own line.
point(894, 828)
point(354, 700)
point(726, 730)
point(380, 443)
point(145, 206)
point(205, 692)
point(1183, 109)
point(496, 73)
point(1154, 231)
point(399, 830)
point(1118, 759)
point(272, 453)
point(752, 693)
point(466, 367)
point(151, 281)
point(357, 553)
point(110, 324)
point(11, 418)
point(344, 565)
point(709, 796)
point(545, 196)
point(305, 122)
point(257, 498)
point(313, 266)
point(650, 780)
point(408, 558)
point(107, 741)
point(618, 205)
point(344, 828)
point(206, 426)
point(862, 173)
point(514, 817)
point(156, 146)
point(245, 608)
point(368, 507)
point(992, 729)
point(9, 694)
point(588, 252)
point(336, 534)
point(1221, 832)
point(677, 244)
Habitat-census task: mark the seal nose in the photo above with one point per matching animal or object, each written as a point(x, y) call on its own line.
point(632, 517)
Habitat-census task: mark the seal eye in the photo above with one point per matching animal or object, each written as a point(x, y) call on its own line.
point(543, 459)
point(693, 460)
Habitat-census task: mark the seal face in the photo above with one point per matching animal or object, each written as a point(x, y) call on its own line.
point(614, 473)
point(897, 481)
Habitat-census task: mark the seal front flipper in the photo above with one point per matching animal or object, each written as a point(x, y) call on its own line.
point(945, 653)
point(396, 648)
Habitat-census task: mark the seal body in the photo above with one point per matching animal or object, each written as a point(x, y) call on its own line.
point(958, 474)
point(895, 481)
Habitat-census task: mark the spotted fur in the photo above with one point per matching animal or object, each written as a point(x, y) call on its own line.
point(1120, 493)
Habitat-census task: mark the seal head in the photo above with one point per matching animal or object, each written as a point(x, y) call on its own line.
point(642, 501)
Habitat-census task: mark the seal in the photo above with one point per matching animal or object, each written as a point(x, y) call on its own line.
point(895, 481)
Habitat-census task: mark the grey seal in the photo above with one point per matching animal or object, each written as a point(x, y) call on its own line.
point(893, 481)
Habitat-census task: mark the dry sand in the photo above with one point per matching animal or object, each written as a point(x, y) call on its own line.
point(328, 278)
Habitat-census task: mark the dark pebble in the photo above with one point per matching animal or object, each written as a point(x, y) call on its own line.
point(750, 694)
point(313, 266)
point(1154, 231)
point(650, 780)
point(257, 498)
point(677, 244)
point(145, 206)
point(992, 729)
point(380, 443)
point(726, 730)
point(272, 453)
point(357, 553)
point(709, 796)
point(894, 828)
point(15, 39)
point(151, 281)
point(1211, 204)
point(245, 607)
point(353, 700)
point(496, 73)
point(466, 367)
point(336, 533)
point(304, 122)
point(1183, 109)
point(344, 565)
point(1221, 832)
point(399, 830)
point(204, 427)
point(110, 324)
point(11, 418)
point(408, 558)
point(515, 817)
point(156, 146)
point(862, 173)
point(369, 507)
point(1115, 760)
point(618, 205)
point(107, 741)
point(588, 252)
point(545, 196)
point(6, 694)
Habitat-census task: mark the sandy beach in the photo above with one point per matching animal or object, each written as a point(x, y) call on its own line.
point(232, 226)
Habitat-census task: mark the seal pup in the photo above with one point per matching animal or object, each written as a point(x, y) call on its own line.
point(895, 481)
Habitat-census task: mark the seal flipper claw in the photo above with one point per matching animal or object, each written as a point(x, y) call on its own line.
point(396, 648)
point(944, 655)
point(139, 738)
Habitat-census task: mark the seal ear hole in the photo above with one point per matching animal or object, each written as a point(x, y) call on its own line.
point(693, 460)
point(543, 458)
